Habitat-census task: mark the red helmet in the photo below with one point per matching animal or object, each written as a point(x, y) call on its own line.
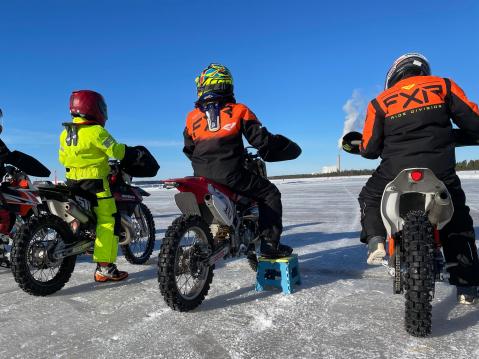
point(90, 105)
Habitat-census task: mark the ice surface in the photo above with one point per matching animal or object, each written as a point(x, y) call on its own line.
point(344, 309)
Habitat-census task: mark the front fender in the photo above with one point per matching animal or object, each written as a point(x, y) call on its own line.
point(142, 192)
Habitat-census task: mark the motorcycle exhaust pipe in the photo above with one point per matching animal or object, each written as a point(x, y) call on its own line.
point(441, 200)
point(73, 210)
point(214, 204)
point(128, 229)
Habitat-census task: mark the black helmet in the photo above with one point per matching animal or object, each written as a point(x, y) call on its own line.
point(410, 64)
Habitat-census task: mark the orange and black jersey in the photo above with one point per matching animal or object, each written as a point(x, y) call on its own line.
point(409, 125)
point(219, 152)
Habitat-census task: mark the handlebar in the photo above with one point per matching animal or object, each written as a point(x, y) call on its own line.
point(251, 155)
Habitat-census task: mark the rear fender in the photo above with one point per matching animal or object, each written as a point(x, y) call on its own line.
point(403, 195)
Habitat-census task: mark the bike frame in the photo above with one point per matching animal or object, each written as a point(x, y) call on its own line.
point(212, 201)
point(77, 211)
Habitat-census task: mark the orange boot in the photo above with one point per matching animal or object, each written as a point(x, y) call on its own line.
point(109, 272)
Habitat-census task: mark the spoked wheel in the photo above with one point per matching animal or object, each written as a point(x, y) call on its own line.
point(139, 250)
point(418, 253)
point(33, 266)
point(184, 275)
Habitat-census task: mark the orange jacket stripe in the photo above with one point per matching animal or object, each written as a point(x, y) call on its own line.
point(369, 125)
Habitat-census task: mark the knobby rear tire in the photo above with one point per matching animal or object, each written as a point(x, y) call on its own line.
point(166, 263)
point(20, 256)
point(418, 241)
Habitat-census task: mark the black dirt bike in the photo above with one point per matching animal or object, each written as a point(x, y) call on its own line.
point(415, 206)
point(19, 200)
point(44, 253)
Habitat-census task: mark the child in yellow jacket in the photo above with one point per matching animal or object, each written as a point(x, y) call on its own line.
point(85, 147)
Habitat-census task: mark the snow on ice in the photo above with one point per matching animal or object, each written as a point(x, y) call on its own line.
point(344, 309)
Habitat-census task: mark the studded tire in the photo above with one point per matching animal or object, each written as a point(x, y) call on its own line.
point(167, 263)
point(20, 256)
point(418, 257)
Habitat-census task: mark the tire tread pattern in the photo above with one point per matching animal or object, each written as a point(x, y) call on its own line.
point(418, 257)
point(19, 257)
point(166, 263)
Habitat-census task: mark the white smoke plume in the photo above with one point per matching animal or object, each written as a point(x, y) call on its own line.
point(355, 113)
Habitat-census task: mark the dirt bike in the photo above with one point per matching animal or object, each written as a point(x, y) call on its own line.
point(415, 206)
point(19, 201)
point(215, 224)
point(18, 196)
point(45, 251)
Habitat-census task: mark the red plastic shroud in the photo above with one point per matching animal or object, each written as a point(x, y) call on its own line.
point(199, 187)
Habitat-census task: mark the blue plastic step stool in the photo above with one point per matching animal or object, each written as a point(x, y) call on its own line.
point(281, 273)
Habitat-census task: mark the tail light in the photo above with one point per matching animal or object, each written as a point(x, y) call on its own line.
point(23, 183)
point(74, 225)
point(416, 175)
point(113, 179)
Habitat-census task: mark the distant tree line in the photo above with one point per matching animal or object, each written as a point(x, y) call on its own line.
point(472, 165)
point(331, 174)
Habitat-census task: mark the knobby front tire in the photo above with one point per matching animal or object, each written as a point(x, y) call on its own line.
point(177, 260)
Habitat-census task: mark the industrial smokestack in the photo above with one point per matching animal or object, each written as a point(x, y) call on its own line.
point(339, 161)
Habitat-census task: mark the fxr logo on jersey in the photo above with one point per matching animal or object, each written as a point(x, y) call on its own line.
point(420, 96)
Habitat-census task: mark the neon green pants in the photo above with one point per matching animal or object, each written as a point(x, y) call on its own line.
point(106, 243)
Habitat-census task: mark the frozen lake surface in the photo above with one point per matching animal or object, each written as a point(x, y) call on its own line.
point(343, 309)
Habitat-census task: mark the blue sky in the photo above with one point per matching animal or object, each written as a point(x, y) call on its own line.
point(295, 64)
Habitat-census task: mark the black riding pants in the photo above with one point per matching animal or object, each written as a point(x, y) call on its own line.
point(265, 194)
point(457, 237)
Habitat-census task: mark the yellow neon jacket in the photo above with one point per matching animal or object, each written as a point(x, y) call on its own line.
point(88, 159)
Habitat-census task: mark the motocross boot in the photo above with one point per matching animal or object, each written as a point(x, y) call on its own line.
point(376, 250)
point(467, 295)
point(109, 272)
point(273, 249)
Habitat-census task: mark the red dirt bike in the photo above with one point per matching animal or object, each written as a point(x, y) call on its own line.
point(216, 224)
point(415, 206)
point(44, 253)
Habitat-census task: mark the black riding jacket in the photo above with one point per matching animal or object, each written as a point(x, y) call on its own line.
point(409, 125)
